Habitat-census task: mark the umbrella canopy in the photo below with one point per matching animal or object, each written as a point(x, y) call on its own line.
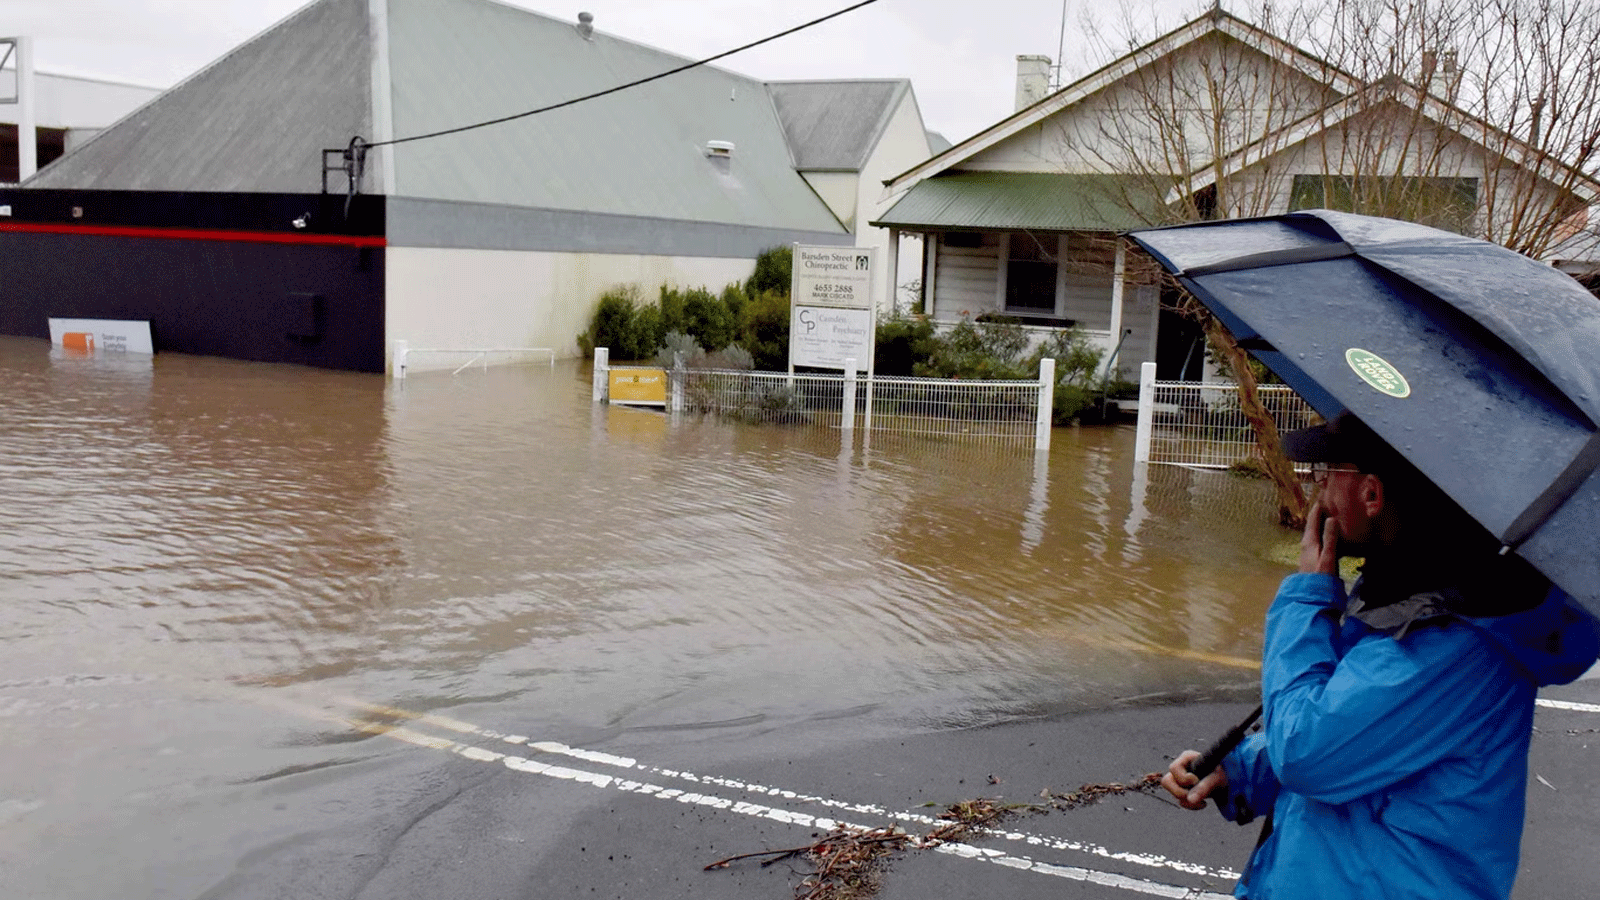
point(1479, 365)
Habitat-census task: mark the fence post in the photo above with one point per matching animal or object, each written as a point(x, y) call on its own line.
point(400, 352)
point(602, 373)
point(847, 411)
point(1147, 409)
point(1047, 404)
point(678, 376)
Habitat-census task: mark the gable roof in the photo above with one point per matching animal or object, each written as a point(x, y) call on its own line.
point(1217, 21)
point(254, 120)
point(833, 125)
point(259, 118)
point(1411, 97)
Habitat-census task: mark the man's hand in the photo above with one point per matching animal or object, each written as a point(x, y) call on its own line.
point(1191, 791)
point(1319, 545)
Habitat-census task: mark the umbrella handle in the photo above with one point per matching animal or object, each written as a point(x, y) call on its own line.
point(1209, 760)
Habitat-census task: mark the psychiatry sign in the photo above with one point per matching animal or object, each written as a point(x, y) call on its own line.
point(825, 336)
point(832, 313)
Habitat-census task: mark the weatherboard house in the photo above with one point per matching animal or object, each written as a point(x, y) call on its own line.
point(232, 214)
point(1022, 220)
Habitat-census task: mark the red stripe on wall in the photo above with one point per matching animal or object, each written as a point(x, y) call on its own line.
point(197, 234)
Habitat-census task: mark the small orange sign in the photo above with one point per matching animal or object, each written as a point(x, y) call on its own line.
point(639, 387)
point(81, 341)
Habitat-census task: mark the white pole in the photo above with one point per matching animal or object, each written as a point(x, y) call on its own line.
point(1119, 273)
point(1047, 404)
point(1147, 406)
point(847, 410)
point(678, 375)
point(401, 351)
point(602, 373)
point(27, 130)
point(893, 267)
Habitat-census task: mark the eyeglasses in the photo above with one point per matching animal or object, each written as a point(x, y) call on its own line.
point(1320, 470)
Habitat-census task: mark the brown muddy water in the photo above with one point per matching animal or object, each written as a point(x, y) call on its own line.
point(205, 564)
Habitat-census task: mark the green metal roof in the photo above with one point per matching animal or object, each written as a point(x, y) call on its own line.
point(1044, 201)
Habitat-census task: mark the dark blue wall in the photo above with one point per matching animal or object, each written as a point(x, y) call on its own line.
point(241, 282)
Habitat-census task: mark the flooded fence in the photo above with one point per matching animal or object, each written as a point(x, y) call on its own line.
point(457, 360)
point(1009, 412)
point(1201, 424)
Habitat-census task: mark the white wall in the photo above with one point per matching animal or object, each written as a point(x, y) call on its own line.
point(490, 299)
point(69, 101)
point(903, 144)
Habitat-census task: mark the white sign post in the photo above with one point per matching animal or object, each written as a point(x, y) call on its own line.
point(833, 315)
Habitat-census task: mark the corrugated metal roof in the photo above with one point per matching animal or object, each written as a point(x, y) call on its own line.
point(834, 124)
point(259, 118)
point(1032, 200)
point(255, 120)
point(639, 152)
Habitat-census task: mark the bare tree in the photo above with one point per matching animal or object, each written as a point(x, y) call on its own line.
point(1480, 120)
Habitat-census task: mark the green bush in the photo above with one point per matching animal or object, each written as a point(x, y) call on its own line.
point(1079, 393)
point(901, 341)
point(765, 330)
point(774, 271)
point(671, 306)
point(708, 319)
point(988, 349)
point(616, 325)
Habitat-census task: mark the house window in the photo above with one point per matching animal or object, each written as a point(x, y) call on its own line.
point(967, 239)
point(1447, 203)
point(1031, 266)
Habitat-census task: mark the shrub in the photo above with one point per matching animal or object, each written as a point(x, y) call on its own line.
point(675, 343)
point(1077, 364)
point(616, 325)
point(765, 330)
point(989, 349)
point(671, 304)
point(901, 341)
point(708, 319)
point(774, 271)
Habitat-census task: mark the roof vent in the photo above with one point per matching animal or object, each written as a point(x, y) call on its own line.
point(586, 25)
point(719, 149)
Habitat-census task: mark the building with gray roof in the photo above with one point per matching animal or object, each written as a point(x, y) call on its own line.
point(488, 237)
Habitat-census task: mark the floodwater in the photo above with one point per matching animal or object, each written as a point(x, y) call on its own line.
point(205, 565)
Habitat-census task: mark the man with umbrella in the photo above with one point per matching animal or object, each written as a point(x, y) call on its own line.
point(1461, 460)
point(1393, 761)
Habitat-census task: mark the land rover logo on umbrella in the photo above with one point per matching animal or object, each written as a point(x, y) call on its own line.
point(1376, 371)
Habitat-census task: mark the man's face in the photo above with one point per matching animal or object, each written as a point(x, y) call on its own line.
point(1352, 499)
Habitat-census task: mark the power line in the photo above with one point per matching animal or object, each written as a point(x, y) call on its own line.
point(620, 87)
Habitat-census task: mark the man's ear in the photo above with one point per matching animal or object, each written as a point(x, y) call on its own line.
point(1371, 496)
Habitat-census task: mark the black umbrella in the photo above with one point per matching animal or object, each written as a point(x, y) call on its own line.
point(1479, 365)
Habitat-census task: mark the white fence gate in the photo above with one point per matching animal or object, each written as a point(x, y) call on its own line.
point(1201, 425)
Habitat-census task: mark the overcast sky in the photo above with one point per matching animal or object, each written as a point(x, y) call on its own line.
point(959, 54)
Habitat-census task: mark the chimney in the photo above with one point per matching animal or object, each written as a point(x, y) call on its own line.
point(1033, 80)
point(586, 25)
point(1441, 73)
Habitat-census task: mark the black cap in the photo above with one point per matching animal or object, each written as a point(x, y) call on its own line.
point(1342, 439)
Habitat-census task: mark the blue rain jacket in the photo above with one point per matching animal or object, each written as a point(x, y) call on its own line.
point(1395, 763)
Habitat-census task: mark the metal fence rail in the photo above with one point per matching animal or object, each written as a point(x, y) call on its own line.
point(1013, 412)
point(1201, 425)
point(455, 360)
point(766, 398)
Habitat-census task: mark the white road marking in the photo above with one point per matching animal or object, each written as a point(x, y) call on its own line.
point(1568, 705)
point(1035, 840)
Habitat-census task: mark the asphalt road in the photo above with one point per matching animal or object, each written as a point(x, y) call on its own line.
point(495, 816)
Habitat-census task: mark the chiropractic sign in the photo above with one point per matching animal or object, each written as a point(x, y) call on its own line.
point(833, 310)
